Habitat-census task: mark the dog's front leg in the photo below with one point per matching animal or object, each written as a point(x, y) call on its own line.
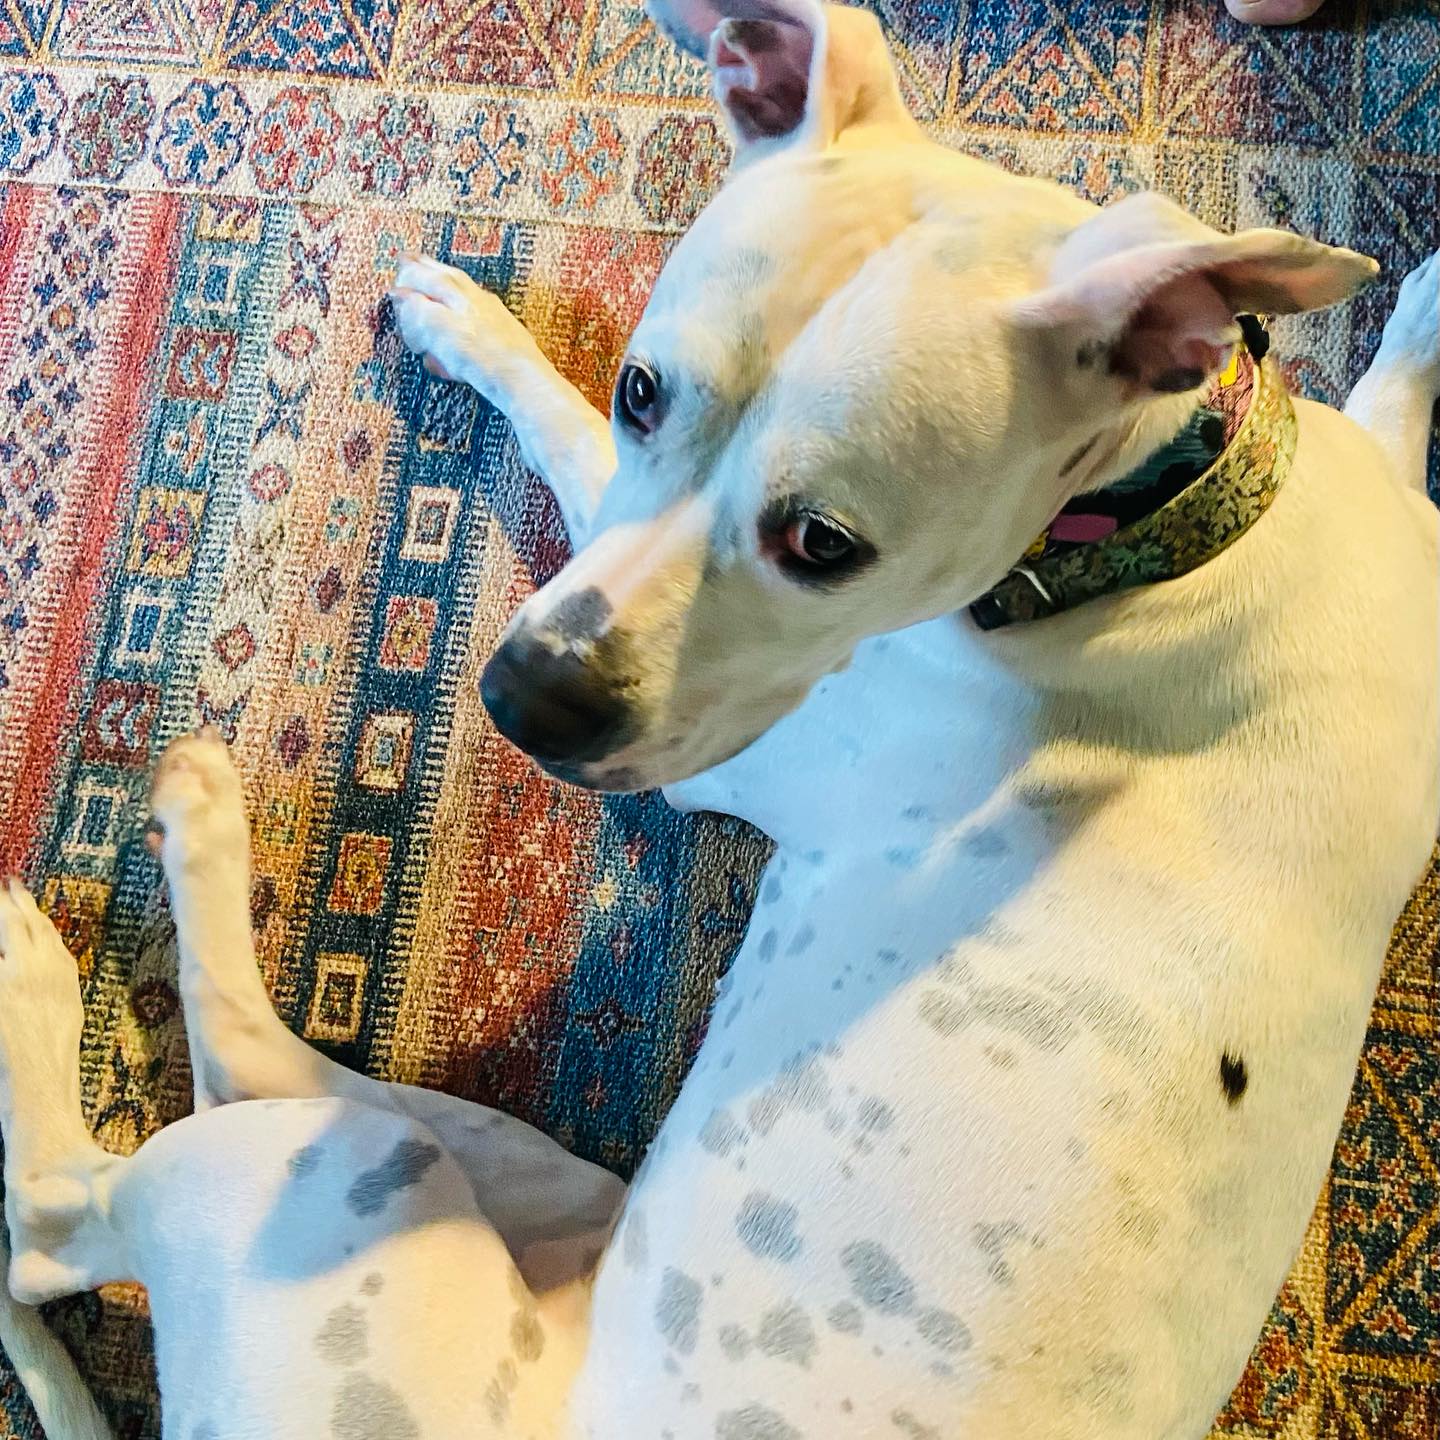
point(466, 333)
point(1395, 398)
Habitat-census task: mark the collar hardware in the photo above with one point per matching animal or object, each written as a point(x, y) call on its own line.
point(1182, 506)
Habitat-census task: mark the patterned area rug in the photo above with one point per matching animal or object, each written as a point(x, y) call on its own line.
point(224, 494)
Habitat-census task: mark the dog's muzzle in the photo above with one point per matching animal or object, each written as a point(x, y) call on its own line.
point(559, 708)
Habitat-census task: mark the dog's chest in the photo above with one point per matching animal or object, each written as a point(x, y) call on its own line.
point(913, 735)
point(941, 1079)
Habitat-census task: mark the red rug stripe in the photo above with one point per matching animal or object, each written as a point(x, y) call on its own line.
point(55, 711)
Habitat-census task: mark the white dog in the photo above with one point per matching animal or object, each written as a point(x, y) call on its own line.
point(1025, 1080)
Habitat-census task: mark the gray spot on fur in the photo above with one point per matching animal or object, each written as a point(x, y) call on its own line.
point(527, 1335)
point(943, 1330)
point(876, 1114)
point(305, 1161)
point(878, 1279)
point(800, 1085)
point(677, 1310)
point(771, 891)
point(887, 957)
point(786, 1334)
point(405, 1166)
point(754, 1422)
point(367, 1409)
point(993, 1242)
point(734, 1342)
point(903, 857)
point(344, 1337)
point(987, 843)
point(1024, 1014)
point(1000, 1057)
point(801, 941)
point(372, 1284)
point(846, 1318)
point(635, 1243)
point(1120, 1025)
point(497, 1402)
point(720, 1134)
point(1047, 798)
point(767, 1226)
point(1108, 1385)
point(766, 948)
point(907, 1424)
point(945, 1014)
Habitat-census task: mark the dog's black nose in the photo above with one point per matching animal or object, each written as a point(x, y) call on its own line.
point(556, 707)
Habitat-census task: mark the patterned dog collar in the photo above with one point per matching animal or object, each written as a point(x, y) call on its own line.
point(1192, 499)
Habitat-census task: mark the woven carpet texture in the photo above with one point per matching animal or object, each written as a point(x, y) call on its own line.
point(226, 495)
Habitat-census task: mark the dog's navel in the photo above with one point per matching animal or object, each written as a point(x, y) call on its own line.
point(1234, 1078)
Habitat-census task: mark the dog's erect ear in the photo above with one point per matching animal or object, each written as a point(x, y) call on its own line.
point(788, 72)
point(1151, 293)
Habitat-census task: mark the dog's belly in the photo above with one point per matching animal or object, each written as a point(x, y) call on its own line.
point(950, 1188)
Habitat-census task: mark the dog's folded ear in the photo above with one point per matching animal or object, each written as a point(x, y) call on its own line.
point(788, 72)
point(1151, 293)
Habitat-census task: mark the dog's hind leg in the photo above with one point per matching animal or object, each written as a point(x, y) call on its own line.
point(296, 1253)
point(466, 333)
point(59, 1239)
point(553, 1210)
point(1395, 398)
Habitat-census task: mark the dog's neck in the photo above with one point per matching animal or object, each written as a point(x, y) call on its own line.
point(1135, 522)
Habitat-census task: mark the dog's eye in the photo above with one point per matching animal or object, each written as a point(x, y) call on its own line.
point(818, 541)
point(637, 397)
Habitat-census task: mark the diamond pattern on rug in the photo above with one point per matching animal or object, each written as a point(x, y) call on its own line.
point(333, 38)
point(1031, 67)
point(159, 32)
point(519, 43)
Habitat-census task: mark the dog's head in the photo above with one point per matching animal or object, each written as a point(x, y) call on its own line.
point(868, 376)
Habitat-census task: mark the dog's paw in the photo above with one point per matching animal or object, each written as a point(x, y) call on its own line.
point(195, 798)
point(1412, 333)
point(459, 328)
